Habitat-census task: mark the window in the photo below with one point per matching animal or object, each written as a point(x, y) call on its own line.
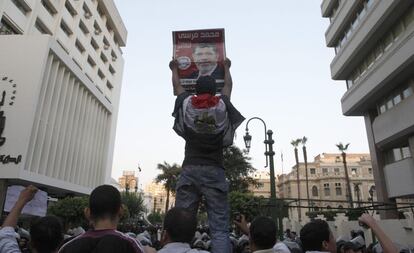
point(325, 171)
point(49, 7)
point(395, 97)
point(101, 74)
point(312, 171)
point(41, 27)
point(338, 189)
point(370, 170)
point(70, 8)
point(326, 189)
point(113, 55)
point(22, 6)
point(6, 28)
point(91, 62)
point(65, 28)
point(106, 43)
point(104, 58)
point(86, 11)
point(79, 46)
point(112, 70)
point(315, 191)
point(336, 170)
point(397, 154)
point(97, 28)
point(83, 27)
point(354, 171)
point(94, 44)
point(407, 92)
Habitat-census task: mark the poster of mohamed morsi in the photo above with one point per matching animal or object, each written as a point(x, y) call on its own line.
point(199, 53)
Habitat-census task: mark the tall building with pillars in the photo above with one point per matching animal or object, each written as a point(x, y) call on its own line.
point(327, 182)
point(61, 70)
point(374, 54)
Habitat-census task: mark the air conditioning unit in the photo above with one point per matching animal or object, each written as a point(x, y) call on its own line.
point(97, 32)
point(106, 47)
point(88, 15)
point(113, 58)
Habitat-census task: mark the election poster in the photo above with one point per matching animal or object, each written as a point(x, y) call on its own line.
point(199, 53)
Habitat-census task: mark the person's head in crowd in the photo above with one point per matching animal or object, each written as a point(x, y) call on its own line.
point(350, 247)
point(46, 234)
point(317, 236)
point(104, 205)
point(206, 84)
point(340, 246)
point(205, 57)
point(262, 233)
point(179, 226)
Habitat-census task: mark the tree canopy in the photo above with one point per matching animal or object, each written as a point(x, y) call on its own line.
point(238, 169)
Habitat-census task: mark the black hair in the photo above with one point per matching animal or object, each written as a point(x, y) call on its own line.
point(180, 224)
point(104, 202)
point(46, 234)
point(263, 232)
point(313, 234)
point(204, 45)
point(206, 84)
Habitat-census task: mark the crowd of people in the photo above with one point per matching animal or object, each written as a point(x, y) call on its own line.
point(179, 233)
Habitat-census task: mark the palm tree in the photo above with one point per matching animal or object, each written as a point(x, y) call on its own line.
point(168, 176)
point(295, 144)
point(305, 158)
point(343, 148)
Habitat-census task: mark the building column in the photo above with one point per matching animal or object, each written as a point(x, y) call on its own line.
point(411, 144)
point(3, 192)
point(378, 163)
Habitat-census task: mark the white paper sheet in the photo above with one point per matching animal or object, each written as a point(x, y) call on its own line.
point(37, 206)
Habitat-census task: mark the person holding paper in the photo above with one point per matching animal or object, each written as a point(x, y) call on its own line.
point(46, 233)
point(207, 123)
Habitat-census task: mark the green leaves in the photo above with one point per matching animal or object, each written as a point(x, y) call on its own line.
point(238, 169)
point(70, 210)
point(134, 202)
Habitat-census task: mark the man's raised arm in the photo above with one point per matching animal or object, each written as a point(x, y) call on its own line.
point(178, 88)
point(228, 82)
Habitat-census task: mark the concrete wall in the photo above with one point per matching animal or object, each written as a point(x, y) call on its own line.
point(400, 177)
point(59, 123)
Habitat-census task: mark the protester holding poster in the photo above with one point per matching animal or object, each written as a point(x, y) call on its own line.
point(207, 123)
point(199, 53)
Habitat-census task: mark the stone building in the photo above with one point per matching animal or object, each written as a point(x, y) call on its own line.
point(326, 180)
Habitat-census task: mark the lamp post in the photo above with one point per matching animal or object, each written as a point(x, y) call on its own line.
point(269, 153)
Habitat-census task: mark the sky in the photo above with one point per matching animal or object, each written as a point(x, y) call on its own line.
point(280, 69)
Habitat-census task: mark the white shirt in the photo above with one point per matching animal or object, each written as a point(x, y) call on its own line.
point(179, 247)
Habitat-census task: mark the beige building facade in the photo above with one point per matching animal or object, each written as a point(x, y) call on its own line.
point(156, 196)
point(128, 181)
point(326, 180)
point(374, 54)
point(263, 179)
point(61, 70)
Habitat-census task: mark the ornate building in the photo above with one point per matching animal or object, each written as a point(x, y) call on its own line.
point(156, 196)
point(327, 182)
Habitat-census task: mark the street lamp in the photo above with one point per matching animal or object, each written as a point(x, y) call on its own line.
point(269, 153)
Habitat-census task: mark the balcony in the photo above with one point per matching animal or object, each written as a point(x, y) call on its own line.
point(16, 15)
point(326, 7)
point(394, 123)
point(387, 72)
point(399, 178)
point(377, 22)
point(336, 29)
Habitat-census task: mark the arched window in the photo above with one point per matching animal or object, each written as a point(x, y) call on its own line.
point(315, 191)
